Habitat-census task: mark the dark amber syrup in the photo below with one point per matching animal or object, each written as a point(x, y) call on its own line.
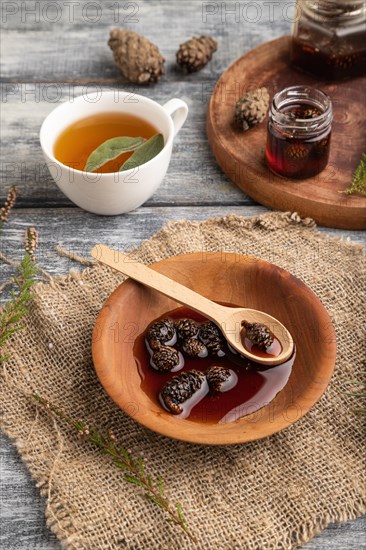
point(256, 386)
point(293, 157)
point(272, 351)
point(327, 64)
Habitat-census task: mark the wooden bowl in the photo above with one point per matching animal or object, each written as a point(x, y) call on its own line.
point(223, 277)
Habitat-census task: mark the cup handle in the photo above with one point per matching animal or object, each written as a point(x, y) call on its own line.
point(178, 110)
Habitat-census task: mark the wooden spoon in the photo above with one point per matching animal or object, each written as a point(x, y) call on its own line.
point(229, 319)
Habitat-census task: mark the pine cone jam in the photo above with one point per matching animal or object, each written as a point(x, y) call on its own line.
point(166, 359)
point(209, 388)
point(183, 391)
point(163, 331)
point(299, 132)
point(258, 334)
point(186, 328)
point(220, 379)
point(259, 340)
point(194, 348)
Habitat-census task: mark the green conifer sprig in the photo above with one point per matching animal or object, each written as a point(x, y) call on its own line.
point(134, 469)
point(16, 308)
point(359, 179)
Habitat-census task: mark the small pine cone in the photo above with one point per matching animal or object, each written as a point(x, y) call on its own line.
point(304, 114)
point(194, 348)
point(216, 377)
point(209, 331)
point(139, 60)
point(166, 359)
point(186, 328)
point(180, 388)
point(194, 54)
point(216, 347)
point(163, 331)
point(297, 151)
point(213, 339)
point(252, 108)
point(258, 334)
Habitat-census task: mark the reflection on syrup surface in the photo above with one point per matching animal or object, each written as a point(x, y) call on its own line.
point(272, 351)
point(256, 387)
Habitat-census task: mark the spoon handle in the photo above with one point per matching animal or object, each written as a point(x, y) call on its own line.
point(143, 274)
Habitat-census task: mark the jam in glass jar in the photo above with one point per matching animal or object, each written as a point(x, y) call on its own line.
point(299, 132)
point(329, 38)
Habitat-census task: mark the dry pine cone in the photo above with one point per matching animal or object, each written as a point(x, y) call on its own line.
point(194, 54)
point(139, 60)
point(252, 108)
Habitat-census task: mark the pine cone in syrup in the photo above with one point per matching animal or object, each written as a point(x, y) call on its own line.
point(163, 331)
point(180, 388)
point(297, 151)
point(166, 359)
point(194, 348)
point(195, 53)
point(209, 331)
point(258, 334)
point(213, 339)
point(252, 108)
point(220, 378)
point(186, 328)
point(139, 60)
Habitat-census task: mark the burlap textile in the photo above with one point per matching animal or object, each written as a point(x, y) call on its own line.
point(271, 494)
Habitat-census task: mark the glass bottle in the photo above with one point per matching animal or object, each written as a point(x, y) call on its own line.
point(329, 38)
point(299, 132)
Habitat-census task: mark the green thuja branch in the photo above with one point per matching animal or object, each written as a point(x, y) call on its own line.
point(133, 468)
point(16, 308)
point(359, 179)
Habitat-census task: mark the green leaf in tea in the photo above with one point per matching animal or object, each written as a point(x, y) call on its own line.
point(145, 152)
point(110, 150)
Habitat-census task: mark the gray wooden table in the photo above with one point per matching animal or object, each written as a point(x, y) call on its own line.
point(54, 51)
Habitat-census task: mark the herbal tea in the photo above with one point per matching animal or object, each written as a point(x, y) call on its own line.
point(74, 145)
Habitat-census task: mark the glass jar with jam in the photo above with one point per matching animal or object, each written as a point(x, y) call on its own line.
point(329, 38)
point(299, 132)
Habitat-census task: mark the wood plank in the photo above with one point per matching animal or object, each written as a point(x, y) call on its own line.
point(77, 231)
point(69, 43)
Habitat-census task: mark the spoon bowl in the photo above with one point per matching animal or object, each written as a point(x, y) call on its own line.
point(227, 318)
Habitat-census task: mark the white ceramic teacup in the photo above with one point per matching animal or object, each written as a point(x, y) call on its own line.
point(119, 192)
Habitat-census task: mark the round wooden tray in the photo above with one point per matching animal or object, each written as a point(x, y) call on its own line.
point(241, 155)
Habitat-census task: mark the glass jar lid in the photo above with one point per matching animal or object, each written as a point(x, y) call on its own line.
point(335, 12)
